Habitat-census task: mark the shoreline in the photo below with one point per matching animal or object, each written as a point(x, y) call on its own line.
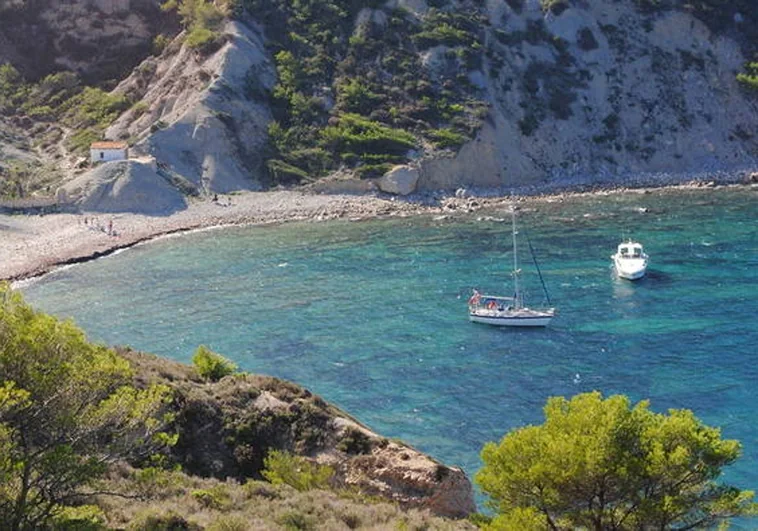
point(33, 246)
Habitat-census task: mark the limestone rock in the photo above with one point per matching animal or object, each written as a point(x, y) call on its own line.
point(124, 186)
point(620, 97)
point(410, 478)
point(212, 442)
point(400, 180)
point(98, 39)
point(211, 111)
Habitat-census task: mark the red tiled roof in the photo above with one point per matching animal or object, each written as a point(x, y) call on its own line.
point(109, 145)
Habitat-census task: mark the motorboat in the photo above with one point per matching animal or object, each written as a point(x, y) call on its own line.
point(630, 260)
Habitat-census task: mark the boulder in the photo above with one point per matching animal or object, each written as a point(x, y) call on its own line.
point(400, 180)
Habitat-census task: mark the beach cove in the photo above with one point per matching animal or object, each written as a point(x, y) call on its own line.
point(371, 315)
point(32, 245)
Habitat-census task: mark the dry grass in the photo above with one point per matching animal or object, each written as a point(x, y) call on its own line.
point(199, 503)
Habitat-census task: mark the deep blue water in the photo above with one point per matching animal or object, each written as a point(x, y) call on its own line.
point(372, 315)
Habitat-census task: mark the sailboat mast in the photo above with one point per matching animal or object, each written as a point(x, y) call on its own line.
point(517, 295)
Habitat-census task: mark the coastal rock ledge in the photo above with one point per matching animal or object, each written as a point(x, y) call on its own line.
point(227, 428)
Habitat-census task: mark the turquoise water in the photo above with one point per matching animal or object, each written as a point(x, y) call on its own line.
point(372, 315)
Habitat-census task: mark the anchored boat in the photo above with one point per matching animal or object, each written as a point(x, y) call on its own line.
point(510, 311)
point(630, 260)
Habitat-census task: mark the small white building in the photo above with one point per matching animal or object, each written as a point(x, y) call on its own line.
point(108, 151)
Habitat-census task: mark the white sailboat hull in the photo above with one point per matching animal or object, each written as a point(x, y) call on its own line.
point(512, 318)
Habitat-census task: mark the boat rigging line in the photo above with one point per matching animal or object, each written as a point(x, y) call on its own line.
point(536, 265)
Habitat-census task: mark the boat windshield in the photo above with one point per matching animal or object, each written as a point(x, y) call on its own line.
point(630, 251)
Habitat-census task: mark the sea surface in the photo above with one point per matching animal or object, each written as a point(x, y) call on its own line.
point(372, 315)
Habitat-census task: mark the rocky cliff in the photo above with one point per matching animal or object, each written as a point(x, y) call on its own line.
point(101, 40)
point(228, 427)
point(603, 90)
point(494, 93)
point(202, 117)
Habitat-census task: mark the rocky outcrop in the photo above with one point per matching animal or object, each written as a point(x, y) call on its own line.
point(410, 478)
point(101, 40)
point(206, 116)
point(227, 428)
point(601, 90)
point(400, 180)
point(596, 92)
point(124, 186)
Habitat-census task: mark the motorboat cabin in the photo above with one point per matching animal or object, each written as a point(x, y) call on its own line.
point(630, 260)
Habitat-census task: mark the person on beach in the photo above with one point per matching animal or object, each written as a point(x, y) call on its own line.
point(110, 227)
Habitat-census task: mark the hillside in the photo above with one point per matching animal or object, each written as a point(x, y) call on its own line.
point(98, 438)
point(226, 429)
point(256, 93)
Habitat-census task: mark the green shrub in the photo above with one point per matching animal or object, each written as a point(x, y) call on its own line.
point(202, 20)
point(297, 521)
point(229, 523)
point(372, 171)
point(281, 172)
point(360, 135)
point(210, 365)
point(154, 481)
point(749, 78)
point(94, 107)
point(295, 471)
point(53, 91)
point(214, 498)
point(160, 43)
point(200, 38)
point(140, 108)
point(80, 141)
point(442, 34)
point(13, 88)
point(81, 518)
point(357, 97)
point(354, 441)
point(446, 138)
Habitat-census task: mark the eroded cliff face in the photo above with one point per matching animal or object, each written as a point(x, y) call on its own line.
point(204, 116)
point(101, 40)
point(602, 90)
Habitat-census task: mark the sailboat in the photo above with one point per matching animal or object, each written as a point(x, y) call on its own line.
point(510, 311)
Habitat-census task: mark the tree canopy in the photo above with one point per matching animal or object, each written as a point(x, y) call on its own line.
point(67, 409)
point(604, 464)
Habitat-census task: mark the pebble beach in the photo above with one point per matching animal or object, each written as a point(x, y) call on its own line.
point(32, 245)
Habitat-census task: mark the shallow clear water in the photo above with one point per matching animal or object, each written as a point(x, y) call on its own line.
point(372, 315)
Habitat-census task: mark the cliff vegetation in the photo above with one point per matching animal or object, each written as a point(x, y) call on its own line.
point(95, 438)
point(239, 94)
